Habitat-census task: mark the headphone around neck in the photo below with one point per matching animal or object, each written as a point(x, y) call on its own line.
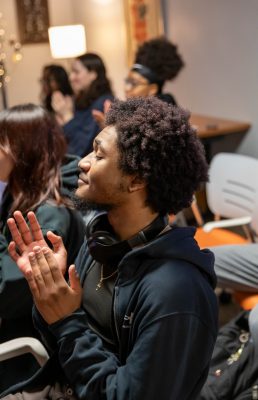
point(106, 248)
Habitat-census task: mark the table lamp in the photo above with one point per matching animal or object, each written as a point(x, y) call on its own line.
point(67, 41)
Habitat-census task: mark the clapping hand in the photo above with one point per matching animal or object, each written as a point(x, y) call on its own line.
point(53, 297)
point(44, 268)
point(63, 107)
point(25, 239)
point(99, 116)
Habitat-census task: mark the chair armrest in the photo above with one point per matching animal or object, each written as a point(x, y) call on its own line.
point(23, 345)
point(225, 223)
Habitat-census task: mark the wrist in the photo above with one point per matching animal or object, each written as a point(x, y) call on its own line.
point(66, 117)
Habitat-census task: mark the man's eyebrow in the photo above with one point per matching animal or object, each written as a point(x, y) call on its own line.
point(97, 143)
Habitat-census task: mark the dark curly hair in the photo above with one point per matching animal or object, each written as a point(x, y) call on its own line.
point(157, 142)
point(100, 86)
point(161, 56)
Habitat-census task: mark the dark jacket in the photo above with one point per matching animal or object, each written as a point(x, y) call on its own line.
point(165, 324)
point(15, 297)
point(82, 129)
point(167, 98)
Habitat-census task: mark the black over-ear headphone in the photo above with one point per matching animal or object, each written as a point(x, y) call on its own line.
point(106, 248)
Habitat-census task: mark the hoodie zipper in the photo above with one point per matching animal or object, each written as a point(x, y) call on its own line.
point(114, 311)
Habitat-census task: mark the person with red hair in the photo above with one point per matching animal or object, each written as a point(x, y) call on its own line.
point(35, 174)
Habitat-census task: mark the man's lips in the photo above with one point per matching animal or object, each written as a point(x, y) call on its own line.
point(83, 179)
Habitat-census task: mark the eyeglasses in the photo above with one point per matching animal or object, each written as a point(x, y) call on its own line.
point(47, 80)
point(131, 82)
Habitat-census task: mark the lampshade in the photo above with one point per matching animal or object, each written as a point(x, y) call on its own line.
point(67, 41)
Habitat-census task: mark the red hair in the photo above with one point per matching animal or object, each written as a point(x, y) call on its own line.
point(34, 141)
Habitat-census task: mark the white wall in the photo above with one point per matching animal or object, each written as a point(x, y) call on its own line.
point(105, 31)
point(218, 40)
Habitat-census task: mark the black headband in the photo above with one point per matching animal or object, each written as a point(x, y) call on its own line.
point(147, 73)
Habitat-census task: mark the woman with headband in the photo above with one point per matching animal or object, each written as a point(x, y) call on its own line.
point(156, 62)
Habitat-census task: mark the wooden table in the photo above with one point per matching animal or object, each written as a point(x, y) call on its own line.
point(212, 129)
point(208, 127)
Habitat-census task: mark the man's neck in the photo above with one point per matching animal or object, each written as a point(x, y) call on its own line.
point(127, 222)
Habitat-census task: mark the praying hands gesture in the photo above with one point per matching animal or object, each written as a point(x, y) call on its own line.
point(44, 268)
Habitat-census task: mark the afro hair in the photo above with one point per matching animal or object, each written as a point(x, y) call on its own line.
point(157, 143)
point(161, 56)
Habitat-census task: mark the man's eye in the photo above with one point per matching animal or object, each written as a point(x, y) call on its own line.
point(98, 157)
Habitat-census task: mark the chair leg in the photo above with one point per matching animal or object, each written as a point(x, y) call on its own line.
point(196, 212)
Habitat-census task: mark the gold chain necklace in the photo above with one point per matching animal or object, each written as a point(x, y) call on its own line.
point(104, 278)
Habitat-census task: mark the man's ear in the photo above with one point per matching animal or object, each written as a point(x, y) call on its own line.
point(136, 184)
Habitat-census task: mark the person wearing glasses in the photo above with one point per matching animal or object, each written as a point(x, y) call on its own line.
point(54, 78)
point(156, 62)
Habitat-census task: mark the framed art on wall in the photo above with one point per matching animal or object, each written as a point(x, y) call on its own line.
point(33, 20)
point(143, 20)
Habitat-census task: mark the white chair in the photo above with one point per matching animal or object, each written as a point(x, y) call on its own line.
point(17, 347)
point(233, 188)
point(232, 196)
point(253, 326)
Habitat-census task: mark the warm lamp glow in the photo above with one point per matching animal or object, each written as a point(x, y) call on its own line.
point(67, 41)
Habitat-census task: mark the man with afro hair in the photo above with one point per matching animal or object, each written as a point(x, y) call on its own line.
point(138, 319)
point(156, 62)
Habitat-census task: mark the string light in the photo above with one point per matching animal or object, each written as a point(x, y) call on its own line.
point(16, 57)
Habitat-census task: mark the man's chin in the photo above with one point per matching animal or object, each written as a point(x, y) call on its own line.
point(85, 206)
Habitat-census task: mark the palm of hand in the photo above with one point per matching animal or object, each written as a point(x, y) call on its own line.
point(23, 259)
point(58, 101)
point(59, 255)
point(25, 240)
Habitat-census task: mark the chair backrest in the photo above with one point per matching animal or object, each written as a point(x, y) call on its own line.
point(253, 326)
point(233, 188)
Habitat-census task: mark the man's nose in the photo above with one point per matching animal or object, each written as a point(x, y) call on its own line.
point(85, 163)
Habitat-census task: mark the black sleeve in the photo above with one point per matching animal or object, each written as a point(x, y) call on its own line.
point(15, 297)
